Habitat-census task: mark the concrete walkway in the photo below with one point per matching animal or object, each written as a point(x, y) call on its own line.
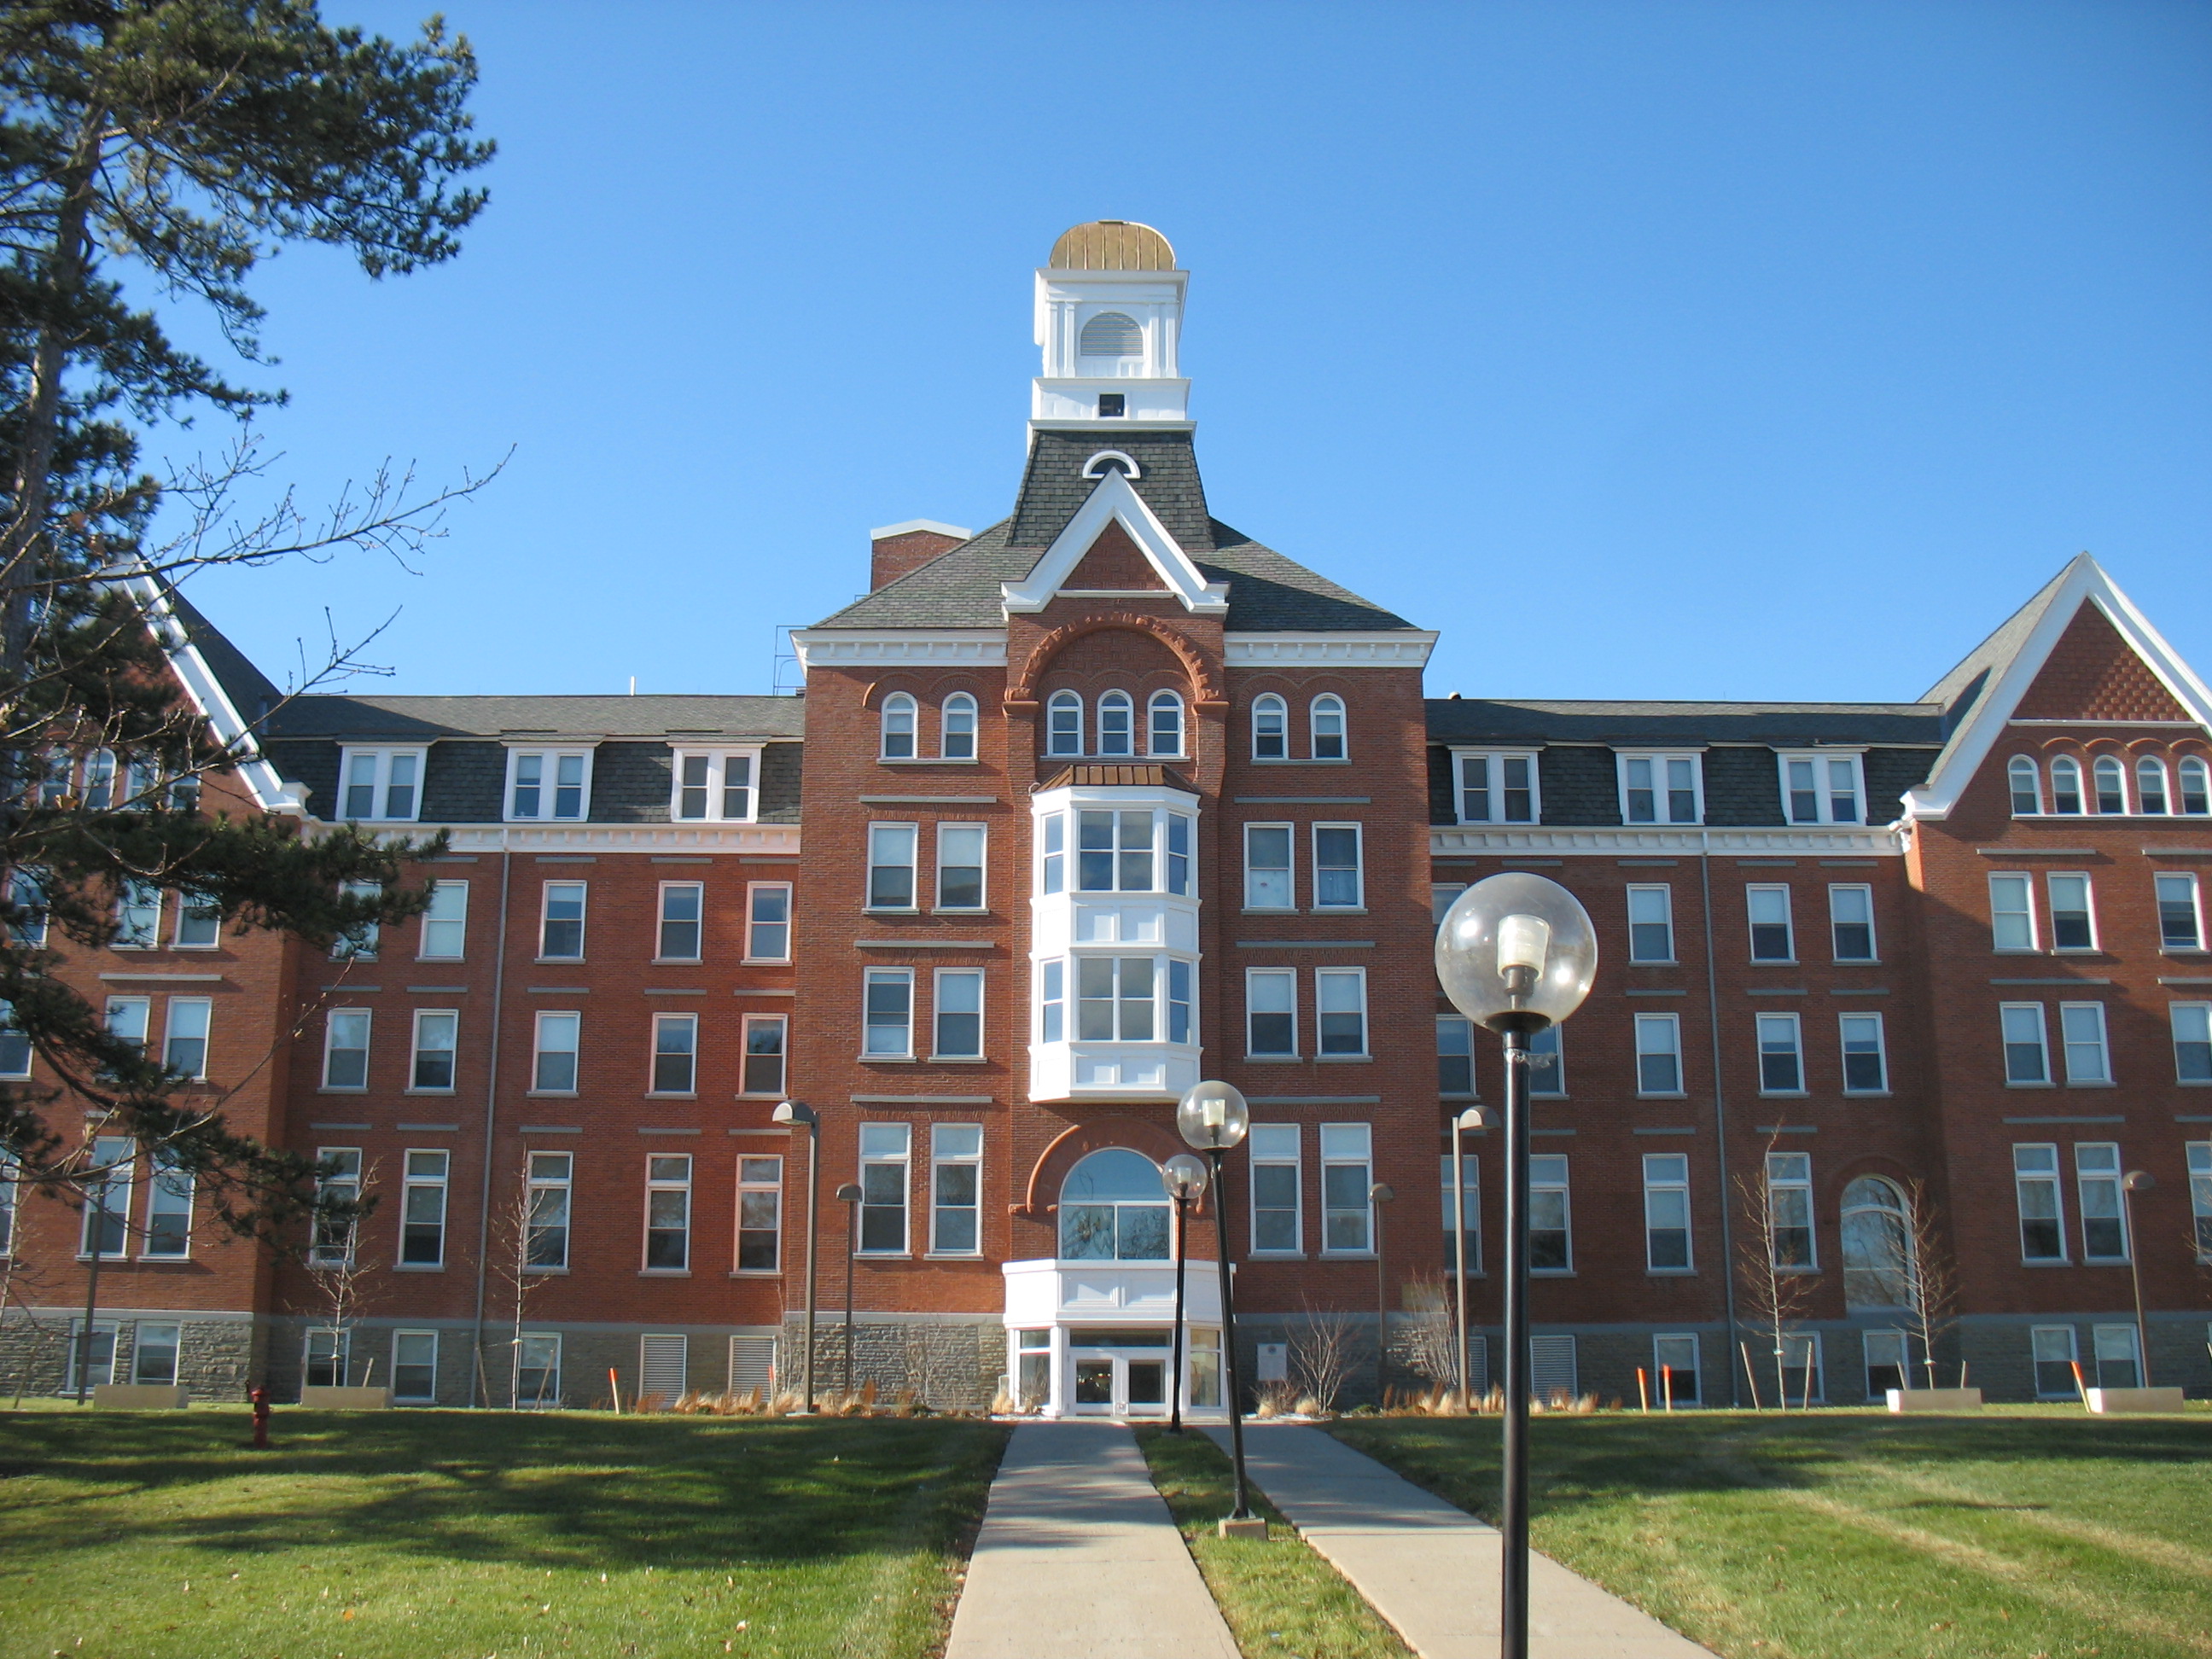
point(1079, 1559)
point(1430, 1569)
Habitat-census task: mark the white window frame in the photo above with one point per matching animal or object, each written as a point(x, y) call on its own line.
point(1119, 702)
point(78, 1346)
point(869, 979)
point(2100, 768)
point(2098, 1169)
point(1791, 1173)
point(417, 1049)
point(1764, 1025)
point(2010, 1014)
point(2050, 880)
point(545, 918)
point(1274, 975)
point(1266, 1147)
point(2067, 766)
point(2197, 1017)
point(1494, 787)
point(1455, 1040)
point(330, 1020)
point(714, 786)
point(1470, 1211)
point(404, 1336)
point(1359, 905)
point(545, 1348)
point(2189, 769)
point(1153, 705)
point(169, 1192)
point(938, 1012)
point(1844, 1039)
point(894, 1149)
point(1650, 1029)
point(550, 758)
point(2113, 1334)
point(1836, 923)
point(2077, 1017)
point(2019, 767)
point(1541, 1179)
point(981, 867)
point(2191, 890)
point(135, 929)
point(944, 1154)
point(175, 1029)
point(884, 837)
point(140, 1347)
point(662, 921)
point(1052, 1000)
point(757, 1180)
point(892, 744)
point(2042, 1336)
point(7, 1168)
point(1548, 1042)
point(1273, 703)
point(667, 1028)
point(413, 1182)
point(1821, 760)
point(379, 759)
point(1257, 875)
point(2197, 1157)
point(957, 703)
point(1668, 1175)
point(1063, 739)
point(754, 922)
point(27, 892)
point(2035, 1165)
point(361, 943)
point(1665, 1373)
point(1326, 704)
point(1644, 890)
point(1332, 982)
point(1344, 1146)
point(1755, 891)
point(2012, 897)
point(780, 1026)
point(191, 914)
point(453, 897)
point(17, 1054)
point(540, 1051)
point(1662, 784)
point(548, 1175)
point(667, 1174)
point(341, 1186)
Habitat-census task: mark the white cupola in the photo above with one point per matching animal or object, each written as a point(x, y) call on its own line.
point(1110, 321)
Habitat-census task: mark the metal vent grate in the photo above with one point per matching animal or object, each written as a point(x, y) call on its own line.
point(1110, 334)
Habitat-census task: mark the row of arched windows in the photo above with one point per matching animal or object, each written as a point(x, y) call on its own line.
point(1116, 730)
point(1325, 728)
point(955, 728)
point(2106, 789)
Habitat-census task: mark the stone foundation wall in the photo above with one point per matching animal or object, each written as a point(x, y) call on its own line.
point(218, 1354)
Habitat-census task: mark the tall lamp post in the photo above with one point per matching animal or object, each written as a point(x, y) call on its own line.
point(1471, 1118)
point(1379, 1194)
point(2137, 1181)
point(1184, 1178)
point(849, 1196)
point(797, 1114)
point(1516, 953)
point(1213, 1117)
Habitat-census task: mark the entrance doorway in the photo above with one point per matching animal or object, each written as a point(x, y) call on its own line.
point(1118, 1373)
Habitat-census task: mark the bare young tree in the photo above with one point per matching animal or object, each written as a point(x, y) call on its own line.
point(1774, 1259)
point(1431, 1336)
point(1931, 1276)
point(347, 1284)
point(523, 1240)
point(1324, 1348)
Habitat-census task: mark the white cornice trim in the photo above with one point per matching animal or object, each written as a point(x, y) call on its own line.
point(2084, 579)
point(983, 647)
point(1116, 500)
point(602, 837)
point(1448, 841)
point(269, 792)
point(1398, 648)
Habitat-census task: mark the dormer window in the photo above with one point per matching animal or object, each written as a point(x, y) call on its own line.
point(1662, 789)
point(1064, 725)
point(1822, 789)
point(1112, 406)
point(714, 786)
point(548, 783)
point(380, 784)
point(1111, 334)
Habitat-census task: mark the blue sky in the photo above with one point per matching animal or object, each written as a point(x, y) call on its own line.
point(1647, 350)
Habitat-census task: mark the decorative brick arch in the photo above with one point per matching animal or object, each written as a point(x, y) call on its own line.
point(1155, 1141)
point(1205, 681)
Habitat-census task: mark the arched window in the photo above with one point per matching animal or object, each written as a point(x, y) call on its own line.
point(2111, 779)
point(1116, 725)
point(1111, 334)
point(2026, 787)
point(898, 726)
point(1112, 1208)
point(1064, 724)
point(1328, 722)
point(1877, 1238)
point(1271, 724)
point(2150, 786)
point(957, 738)
point(1166, 736)
point(2066, 786)
point(2195, 787)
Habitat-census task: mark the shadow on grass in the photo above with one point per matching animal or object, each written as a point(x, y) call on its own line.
point(550, 1490)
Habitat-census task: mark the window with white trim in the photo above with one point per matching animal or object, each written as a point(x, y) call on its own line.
point(675, 1054)
point(1325, 726)
point(1340, 1010)
point(2012, 911)
point(1278, 1223)
point(682, 904)
point(1822, 789)
point(1773, 938)
point(1455, 1056)
point(1802, 1379)
point(15, 1045)
point(1469, 1210)
point(1337, 881)
point(668, 1213)
point(2073, 911)
point(199, 924)
point(26, 907)
point(898, 722)
point(2192, 1042)
point(1114, 998)
point(414, 1367)
point(2110, 780)
point(2053, 1349)
point(1866, 1056)
point(1674, 1362)
point(1497, 787)
point(345, 1049)
point(1651, 923)
point(1052, 1000)
point(1781, 1054)
point(1165, 733)
point(444, 924)
point(766, 1036)
point(1666, 1213)
point(359, 942)
point(1271, 1012)
point(1547, 1065)
point(1850, 922)
point(551, 1178)
point(1658, 1054)
point(7, 1168)
point(155, 1345)
point(2199, 1155)
point(1347, 1174)
point(2066, 786)
point(1269, 880)
point(886, 1150)
point(2119, 1358)
point(2180, 914)
point(889, 1014)
point(1113, 851)
point(338, 1194)
point(1790, 1210)
point(2082, 1030)
point(560, 922)
point(99, 1354)
point(537, 1368)
point(381, 785)
point(548, 784)
point(891, 854)
point(1551, 1238)
point(100, 781)
point(185, 1037)
point(169, 1209)
point(2195, 787)
point(956, 734)
point(712, 786)
point(2027, 1048)
point(422, 1209)
point(760, 1214)
point(2151, 797)
point(2024, 778)
point(1662, 789)
point(768, 921)
point(1064, 724)
point(2035, 1192)
point(1117, 724)
point(137, 916)
point(959, 1014)
point(960, 867)
point(557, 1039)
point(1270, 728)
point(107, 1186)
point(2097, 1190)
point(955, 1189)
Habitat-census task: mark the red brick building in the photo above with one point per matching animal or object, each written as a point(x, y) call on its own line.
point(1110, 797)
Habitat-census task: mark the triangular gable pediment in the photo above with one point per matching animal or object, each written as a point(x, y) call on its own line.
point(1113, 564)
point(1114, 505)
point(2090, 656)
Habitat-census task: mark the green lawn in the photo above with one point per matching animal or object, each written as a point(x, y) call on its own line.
point(1280, 1598)
point(2018, 1534)
point(426, 1533)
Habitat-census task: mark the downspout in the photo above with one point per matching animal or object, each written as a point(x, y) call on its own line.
point(1720, 1119)
point(490, 1120)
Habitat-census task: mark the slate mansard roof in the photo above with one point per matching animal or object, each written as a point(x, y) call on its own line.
point(1268, 593)
point(1472, 721)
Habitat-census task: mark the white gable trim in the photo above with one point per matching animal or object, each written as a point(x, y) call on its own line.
point(908, 525)
point(269, 792)
point(1977, 734)
point(1115, 499)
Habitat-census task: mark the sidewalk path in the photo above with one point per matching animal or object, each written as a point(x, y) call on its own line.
point(1079, 1559)
point(1430, 1569)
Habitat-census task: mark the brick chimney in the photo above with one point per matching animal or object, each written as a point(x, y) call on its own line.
point(897, 548)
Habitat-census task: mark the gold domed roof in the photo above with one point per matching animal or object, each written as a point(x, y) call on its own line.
point(1112, 244)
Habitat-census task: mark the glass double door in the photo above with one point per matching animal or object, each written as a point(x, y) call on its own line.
point(1118, 1382)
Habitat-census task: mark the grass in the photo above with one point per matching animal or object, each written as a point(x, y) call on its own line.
point(2018, 1534)
point(425, 1532)
point(1280, 1598)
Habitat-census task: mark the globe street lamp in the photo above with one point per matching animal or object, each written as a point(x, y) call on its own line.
point(797, 1114)
point(1213, 1117)
point(849, 1196)
point(1379, 1194)
point(1473, 1118)
point(2137, 1181)
point(1184, 1178)
point(1516, 953)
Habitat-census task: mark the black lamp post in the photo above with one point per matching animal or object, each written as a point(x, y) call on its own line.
point(1213, 1117)
point(1184, 1178)
point(1380, 1194)
point(1516, 953)
point(797, 1114)
point(2137, 1181)
point(849, 1196)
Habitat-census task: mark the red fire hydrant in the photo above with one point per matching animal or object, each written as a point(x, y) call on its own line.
point(260, 1399)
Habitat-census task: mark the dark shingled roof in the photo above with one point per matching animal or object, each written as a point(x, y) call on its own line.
point(1455, 720)
point(1054, 487)
point(252, 692)
point(423, 720)
point(1958, 690)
